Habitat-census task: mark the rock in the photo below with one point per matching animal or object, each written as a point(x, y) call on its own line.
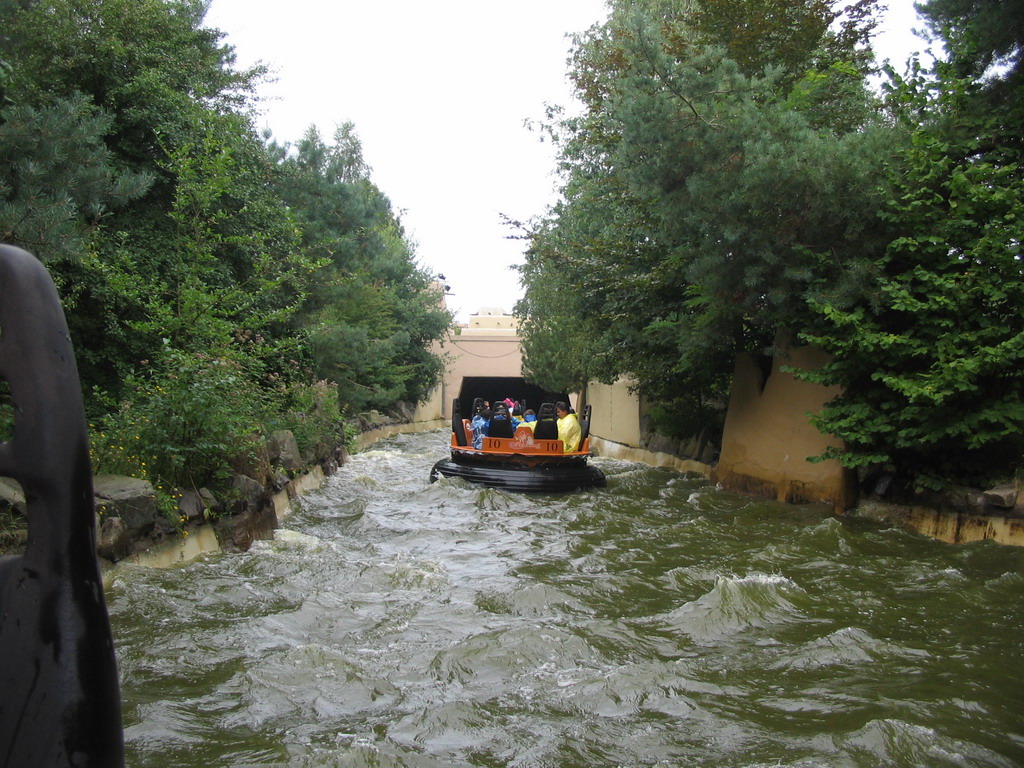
point(284, 451)
point(245, 528)
point(404, 412)
point(210, 500)
point(662, 444)
point(193, 506)
point(371, 420)
point(112, 540)
point(12, 495)
point(250, 492)
point(255, 462)
point(710, 454)
point(129, 498)
point(280, 480)
point(321, 452)
point(1001, 497)
point(341, 455)
point(883, 483)
point(645, 423)
point(255, 517)
point(962, 500)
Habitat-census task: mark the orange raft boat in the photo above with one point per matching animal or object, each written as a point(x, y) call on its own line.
point(522, 462)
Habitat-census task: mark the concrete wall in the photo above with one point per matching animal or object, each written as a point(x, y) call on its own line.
point(768, 436)
point(951, 527)
point(615, 428)
point(493, 318)
point(433, 408)
point(489, 345)
point(617, 412)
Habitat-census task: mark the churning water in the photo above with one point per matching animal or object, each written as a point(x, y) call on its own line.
point(656, 622)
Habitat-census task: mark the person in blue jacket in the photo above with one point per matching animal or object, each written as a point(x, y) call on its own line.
point(480, 422)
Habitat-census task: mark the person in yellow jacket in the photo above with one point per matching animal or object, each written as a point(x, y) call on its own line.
point(569, 431)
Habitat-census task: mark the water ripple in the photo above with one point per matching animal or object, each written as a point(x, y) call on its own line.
point(655, 622)
point(755, 601)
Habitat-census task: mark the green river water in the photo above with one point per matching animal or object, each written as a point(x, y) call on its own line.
point(656, 622)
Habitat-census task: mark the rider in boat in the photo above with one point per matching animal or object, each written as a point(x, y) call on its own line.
point(569, 431)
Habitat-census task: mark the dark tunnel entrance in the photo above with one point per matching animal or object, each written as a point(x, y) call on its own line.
point(494, 388)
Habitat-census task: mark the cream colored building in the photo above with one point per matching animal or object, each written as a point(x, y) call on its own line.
point(492, 320)
point(484, 355)
point(484, 358)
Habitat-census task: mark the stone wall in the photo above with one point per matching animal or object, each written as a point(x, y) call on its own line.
point(131, 525)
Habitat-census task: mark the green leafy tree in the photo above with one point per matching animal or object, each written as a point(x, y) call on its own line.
point(184, 416)
point(58, 181)
point(132, 164)
point(147, 63)
point(374, 314)
point(984, 40)
point(930, 355)
point(223, 261)
point(980, 34)
point(200, 266)
point(726, 167)
point(130, 106)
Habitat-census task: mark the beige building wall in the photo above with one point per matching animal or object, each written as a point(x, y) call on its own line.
point(488, 346)
point(768, 436)
point(480, 353)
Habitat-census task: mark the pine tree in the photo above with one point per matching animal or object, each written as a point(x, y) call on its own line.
point(58, 181)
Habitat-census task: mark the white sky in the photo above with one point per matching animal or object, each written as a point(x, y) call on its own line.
point(439, 93)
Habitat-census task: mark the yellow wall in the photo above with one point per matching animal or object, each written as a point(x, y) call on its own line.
point(765, 444)
point(951, 527)
point(492, 318)
point(768, 436)
point(432, 409)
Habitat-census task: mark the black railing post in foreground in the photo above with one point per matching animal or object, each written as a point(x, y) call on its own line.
point(59, 695)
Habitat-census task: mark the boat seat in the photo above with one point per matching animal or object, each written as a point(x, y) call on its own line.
point(585, 427)
point(500, 427)
point(547, 423)
point(458, 426)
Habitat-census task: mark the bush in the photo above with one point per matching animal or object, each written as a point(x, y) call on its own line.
point(181, 422)
point(313, 414)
